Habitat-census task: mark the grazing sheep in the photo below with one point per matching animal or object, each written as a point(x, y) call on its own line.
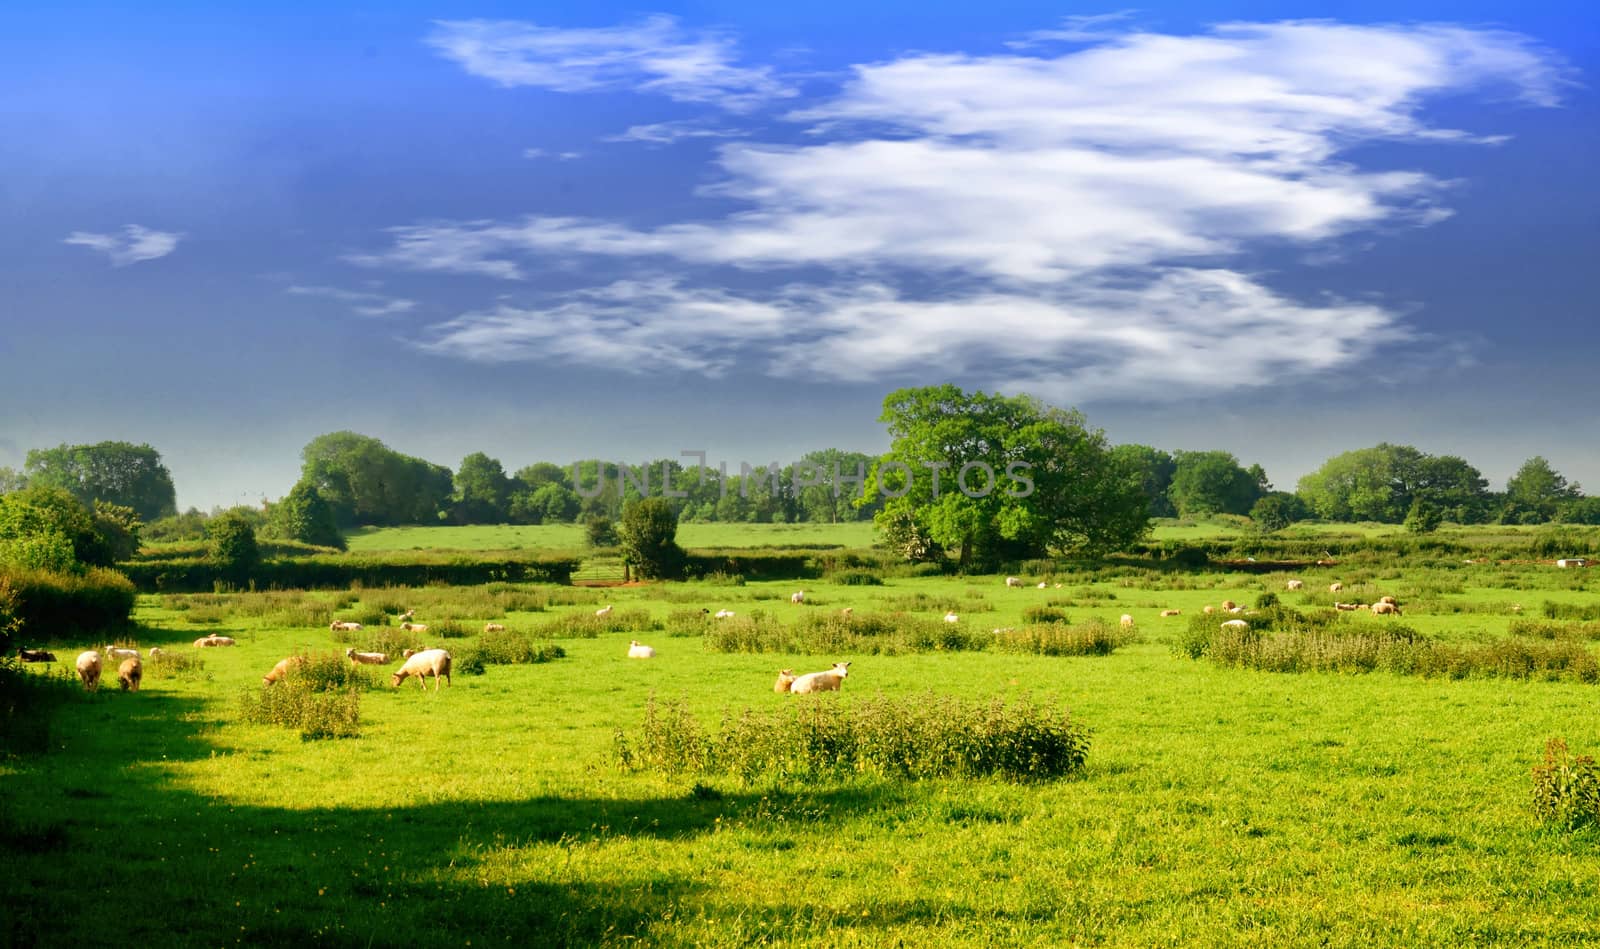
point(1229, 605)
point(951, 617)
point(1385, 609)
point(1295, 584)
point(414, 627)
point(407, 654)
point(638, 650)
point(1000, 629)
point(785, 680)
point(130, 673)
point(1209, 609)
point(35, 655)
point(281, 670)
point(1042, 584)
point(157, 651)
point(1172, 612)
point(1013, 581)
point(213, 640)
point(1335, 587)
point(1127, 621)
point(821, 681)
point(435, 661)
point(408, 614)
point(847, 611)
point(799, 596)
point(724, 614)
point(89, 670)
point(494, 627)
point(604, 610)
point(1388, 599)
point(1236, 610)
point(1235, 624)
point(1058, 586)
point(120, 652)
point(366, 658)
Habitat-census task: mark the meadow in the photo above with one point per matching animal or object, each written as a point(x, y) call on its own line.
point(1219, 805)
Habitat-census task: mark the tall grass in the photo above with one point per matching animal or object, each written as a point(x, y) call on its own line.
point(1566, 790)
point(860, 634)
point(1094, 637)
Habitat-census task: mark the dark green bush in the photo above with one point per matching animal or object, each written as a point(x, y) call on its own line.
point(857, 578)
point(1566, 790)
point(28, 702)
point(1045, 614)
point(45, 604)
point(510, 646)
point(1096, 637)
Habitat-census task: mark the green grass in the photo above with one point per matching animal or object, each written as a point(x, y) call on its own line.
point(1218, 806)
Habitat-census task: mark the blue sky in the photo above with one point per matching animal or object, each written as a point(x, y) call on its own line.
point(552, 231)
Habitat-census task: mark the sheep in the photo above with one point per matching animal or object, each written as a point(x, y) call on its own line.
point(799, 596)
point(119, 652)
point(1013, 581)
point(366, 658)
point(35, 655)
point(785, 680)
point(414, 627)
point(724, 614)
point(821, 681)
point(435, 661)
point(89, 670)
point(603, 611)
point(1209, 609)
point(281, 670)
point(951, 617)
point(1172, 612)
point(1042, 584)
point(1228, 605)
point(638, 650)
point(130, 673)
point(1236, 610)
point(1127, 621)
point(157, 651)
point(1389, 599)
point(1346, 607)
point(408, 615)
point(494, 627)
point(999, 630)
point(407, 654)
point(1235, 624)
point(343, 627)
point(213, 640)
point(1385, 609)
point(1335, 587)
point(847, 611)
point(1295, 584)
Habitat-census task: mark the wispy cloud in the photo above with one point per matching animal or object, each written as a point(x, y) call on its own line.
point(653, 55)
point(665, 133)
point(1077, 29)
point(364, 303)
point(546, 153)
point(1078, 212)
point(134, 244)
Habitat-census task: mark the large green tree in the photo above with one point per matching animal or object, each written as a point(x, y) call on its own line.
point(648, 535)
point(115, 472)
point(1537, 492)
point(1155, 469)
point(996, 476)
point(47, 528)
point(367, 482)
point(483, 492)
point(1213, 482)
point(306, 516)
point(232, 541)
point(1382, 483)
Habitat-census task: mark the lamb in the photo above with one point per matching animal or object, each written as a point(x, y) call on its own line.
point(213, 640)
point(435, 661)
point(1385, 609)
point(415, 627)
point(281, 670)
point(1172, 612)
point(1389, 599)
point(130, 673)
point(343, 627)
point(120, 652)
point(157, 651)
point(1335, 587)
point(847, 611)
point(366, 658)
point(1346, 607)
point(1235, 624)
point(604, 610)
point(494, 627)
point(35, 655)
point(785, 680)
point(1229, 605)
point(638, 650)
point(951, 617)
point(89, 670)
point(724, 614)
point(1295, 584)
point(408, 615)
point(798, 597)
point(821, 681)
point(1013, 581)
point(1042, 584)
point(1127, 621)
point(1209, 609)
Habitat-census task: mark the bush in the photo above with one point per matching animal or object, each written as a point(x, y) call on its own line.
point(884, 634)
point(588, 625)
point(1566, 790)
point(60, 605)
point(514, 647)
point(232, 546)
point(648, 537)
point(857, 578)
point(173, 664)
point(1044, 614)
point(914, 737)
point(1095, 637)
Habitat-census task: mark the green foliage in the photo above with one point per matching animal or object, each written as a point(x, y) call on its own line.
point(512, 646)
point(648, 537)
point(817, 633)
point(1094, 637)
point(320, 697)
point(48, 603)
point(1537, 493)
point(340, 571)
point(1424, 517)
point(1566, 790)
point(1154, 469)
point(232, 543)
point(368, 483)
point(904, 738)
point(28, 704)
point(483, 492)
point(304, 515)
point(175, 664)
point(1383, 482)
point(46, 528)
point(1276, 510)
point(117, 473)
point(586, 625)
point(600, 532)
point(1044, 613)
point(857, 577)
point(116, 529)
point(1213, 482)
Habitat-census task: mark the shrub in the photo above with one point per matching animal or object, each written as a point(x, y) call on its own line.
point(1566, 790)
point(514, 647)
point(912, 737)
point(1542, 629)
point(688, 622)
point(59, 605)
point(1044, 614)
point(588, 625)
point(1572, 611)
point(1095, 637)
point(233, 550)
point(468, 661)
point(173, 664)
point(857, 578)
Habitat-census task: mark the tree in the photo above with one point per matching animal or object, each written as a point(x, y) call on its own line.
point(1537, 492)
point(46, 528)
point(12, 480)
point(232, 541)
point(306, 516)
point(1277, 510)
point(116, 472)
point(1212, 482)
point(1368, 484)
point(648, 535)
point(116, 530)
point(1154, 468)
point(999, 477)
point(483, 492)
point(600, 532)
point(368, 483)
point(1424, 517)
point(1581, 511)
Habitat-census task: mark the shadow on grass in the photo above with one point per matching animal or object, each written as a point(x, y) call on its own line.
point(95, 822)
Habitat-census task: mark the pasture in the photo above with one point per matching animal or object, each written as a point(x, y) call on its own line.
point(1219, 805)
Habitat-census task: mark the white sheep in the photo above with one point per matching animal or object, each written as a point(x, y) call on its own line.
point(366, 658)
point(1172, 612)
point(821, 681)
point(1346, 607)
point(494, 627)
point(724, 614)
point(281, 670)
point(1335, 587)
point(1228, 605)
point(435, 661)
point(1126, 622)
point(408, 614)
point(120, 652)
point(1235, 624)
point(130, 673)
point(1385, 609)
point(1389, 599)
point(343, 627)
point(638, 650)
point(1294, 584)
point(1042, 584)
point(157, 651)
point(799, 596)
point(1013, 581)
point(414, 627)
point(604, 610)
point(89, 670)
point(951, 617)
point(1209, 609)
point(785, 681)
point(213, 640)
point(847, 611)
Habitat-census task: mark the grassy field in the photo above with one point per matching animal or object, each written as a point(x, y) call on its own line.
point(1220, 806)
point(571, 537)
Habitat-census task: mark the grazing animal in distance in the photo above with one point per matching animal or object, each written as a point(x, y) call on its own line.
point(130, 674)
point(1013, 581)
point(414, 627)
point(1042, 584)
point(724, 614)
point(1172, 612)
point(429, 661)
point(494, 627)
point(89, 670)
point(1126, 622)
point(638, 650)
point(1235, 624)
point(1335, 587)
point(213, 640)
point(785, 681)
point(366, 658)
point(604, 610)
point(35, 655)
point(799, 596)
point(1294, 584)
point(1385, 609)
point(281, 671)
point(951, 617)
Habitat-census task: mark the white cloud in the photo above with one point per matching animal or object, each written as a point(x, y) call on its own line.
point(665, 133)
point(136, 243)
point(1075, 29)
point(364, 303)
point(1079, 209)
point(543, 153)
point(653, 55)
